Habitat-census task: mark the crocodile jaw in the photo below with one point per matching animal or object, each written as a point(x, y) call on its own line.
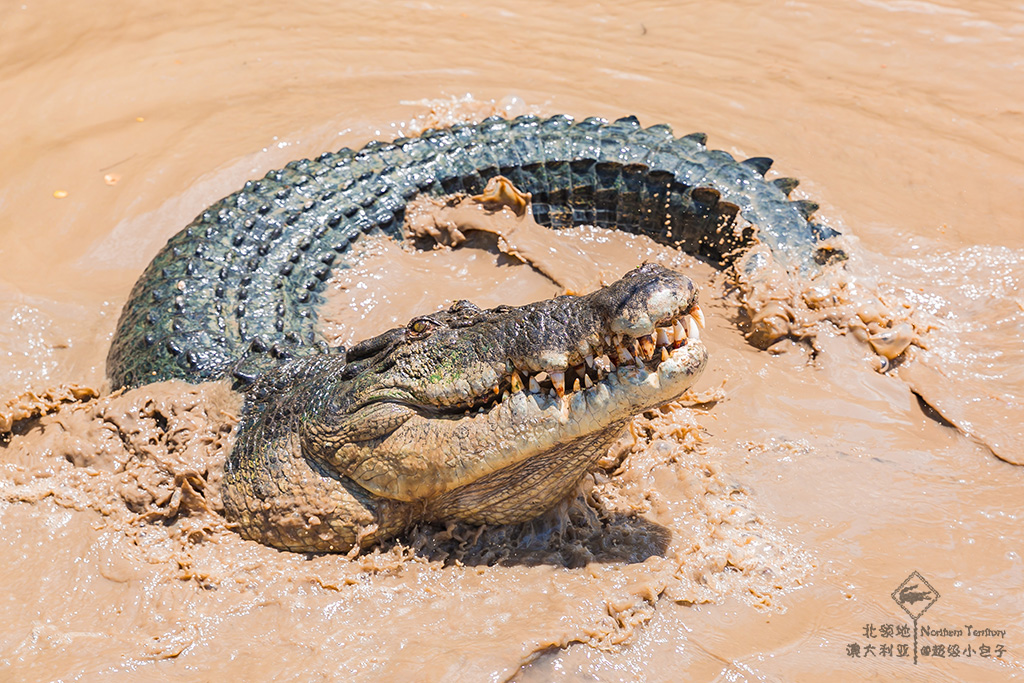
point(430, 455)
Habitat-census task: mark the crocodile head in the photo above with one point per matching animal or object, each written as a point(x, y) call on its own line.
point(491, 416)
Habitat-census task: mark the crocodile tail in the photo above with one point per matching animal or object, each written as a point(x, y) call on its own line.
point(249, 273)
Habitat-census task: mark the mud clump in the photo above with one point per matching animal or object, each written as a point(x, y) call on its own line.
point(149, 455)
point(32, 404)
point(128, 484)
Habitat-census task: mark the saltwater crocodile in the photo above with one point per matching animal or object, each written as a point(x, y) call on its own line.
point(236, 294)
point(485, 417)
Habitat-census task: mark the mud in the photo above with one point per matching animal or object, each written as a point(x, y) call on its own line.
point(506, 214)
point(754, 531)
point(129, 484)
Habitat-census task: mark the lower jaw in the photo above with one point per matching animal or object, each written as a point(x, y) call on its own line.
point(528, 489)
point(628, 390)
point(562, 437)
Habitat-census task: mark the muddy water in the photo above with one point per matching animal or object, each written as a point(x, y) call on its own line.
point(751, 532)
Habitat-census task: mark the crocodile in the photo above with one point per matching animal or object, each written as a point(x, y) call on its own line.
point(466, 415)
point(340, 448)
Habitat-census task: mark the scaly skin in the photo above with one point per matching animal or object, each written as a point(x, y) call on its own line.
point(437, 421)
point(236, 294)
point(248, 273)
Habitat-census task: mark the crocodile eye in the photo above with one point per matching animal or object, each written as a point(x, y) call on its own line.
point(421, 326)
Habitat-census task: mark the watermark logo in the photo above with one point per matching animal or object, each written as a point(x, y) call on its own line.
point(915, 596)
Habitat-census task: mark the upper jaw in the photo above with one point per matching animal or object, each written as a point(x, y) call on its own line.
point(612, 351)
point(557, 346)
point(570, 372)
point(415, 456)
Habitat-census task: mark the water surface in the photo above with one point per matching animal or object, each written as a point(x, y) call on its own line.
point(798, 496)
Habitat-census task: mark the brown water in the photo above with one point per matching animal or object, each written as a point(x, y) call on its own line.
point(749, 533)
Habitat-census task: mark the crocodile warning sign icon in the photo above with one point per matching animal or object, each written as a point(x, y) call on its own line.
point(915, 595)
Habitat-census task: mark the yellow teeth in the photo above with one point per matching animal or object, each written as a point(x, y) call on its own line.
point(647, 346)
point(558, 381)
point(698, 315)
point(621, 351)
point(692, 330)
point(624, 356)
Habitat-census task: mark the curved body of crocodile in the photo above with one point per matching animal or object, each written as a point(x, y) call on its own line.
point(249, 272)
point(237, 292)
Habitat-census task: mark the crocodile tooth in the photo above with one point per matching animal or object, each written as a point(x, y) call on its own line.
point(590, 361)
point(504, 396)
point(624, 356)
point(576, 385)
point(516, 381)
point(698, 315)
point(534, 387)
point(587, 382)
point(679, 330)
point(647, 347)
point(664, 354)
point(558, 381)
point(691, 328)
point(541, 376)
point(496, 389)
point(663, 338)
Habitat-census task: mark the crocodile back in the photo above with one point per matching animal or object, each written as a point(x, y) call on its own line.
point(245, 279)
